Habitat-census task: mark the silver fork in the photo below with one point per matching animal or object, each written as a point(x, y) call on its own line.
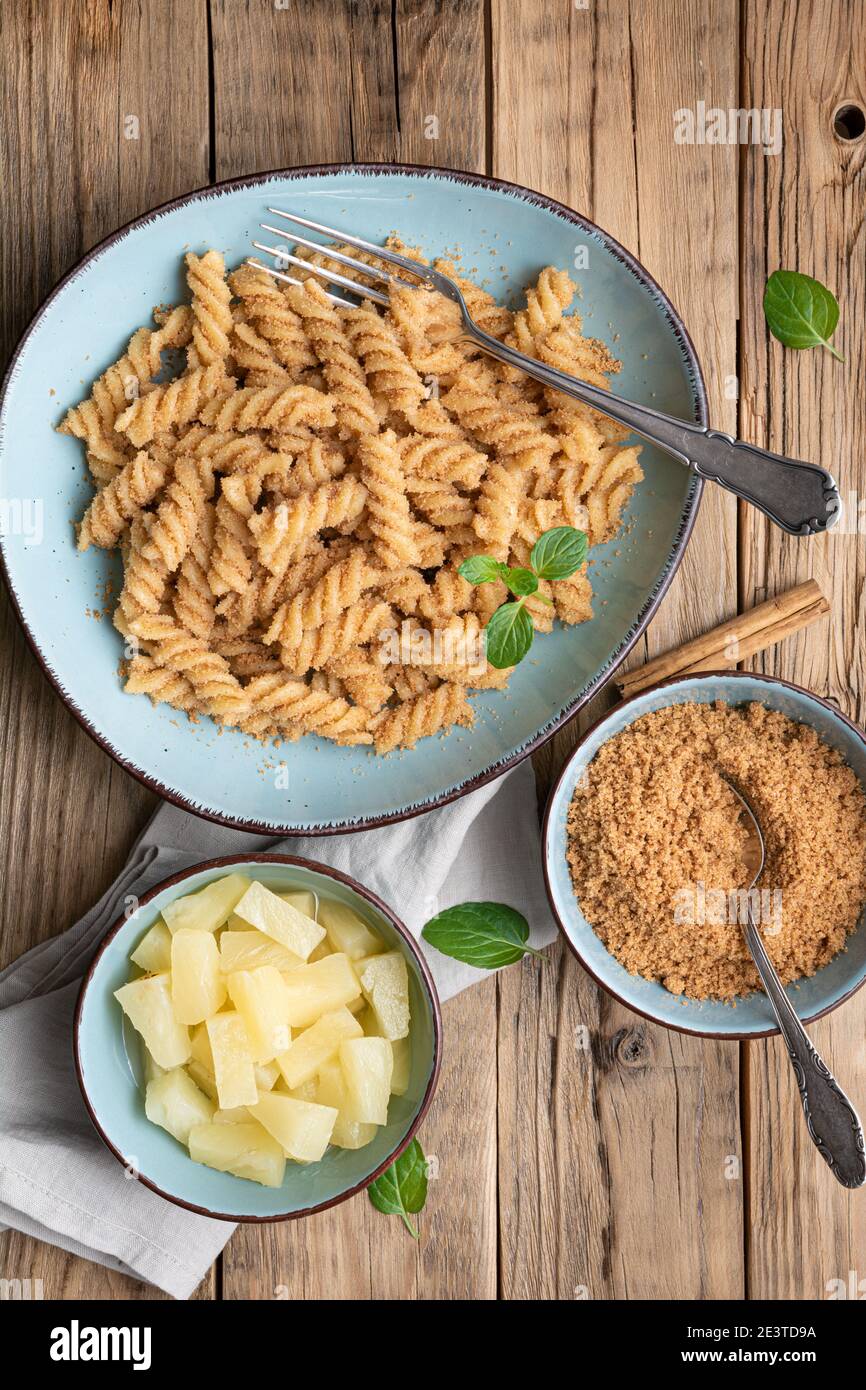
point(833, 1123)
point(801, 498)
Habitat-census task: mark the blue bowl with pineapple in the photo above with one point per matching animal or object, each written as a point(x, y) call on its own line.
point(259, 1040)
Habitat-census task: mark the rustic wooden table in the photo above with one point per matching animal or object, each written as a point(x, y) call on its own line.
point(647, 1164)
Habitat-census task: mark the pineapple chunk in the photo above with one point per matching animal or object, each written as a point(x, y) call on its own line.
point(319, 952)
point(402, 1050)
point(267, 1075)
point(385, 982)
point(238, 1116)
point(317, 1045)
point(305, 1092)
point(232, 1061)
point(175, 1102)
point(301, 1128)
point(367, 1064)
point(150, 1068)
point(147, 1005)
point(302, 901)
point(246, 1150)
point(203, 1078)
point(319, 988)
point(200, 1047)
point(209, 908)
point(153, 952)
point(401, 1047)
point(197, 987)
point(247, 949)
point(331, 1090)
point(280, 920)
point(260, 997)
point(347, 932)
point(367, 1019)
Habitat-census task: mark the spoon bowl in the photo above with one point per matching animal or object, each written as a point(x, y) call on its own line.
point(755, 851)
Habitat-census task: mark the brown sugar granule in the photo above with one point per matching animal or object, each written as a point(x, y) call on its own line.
point(655, 847)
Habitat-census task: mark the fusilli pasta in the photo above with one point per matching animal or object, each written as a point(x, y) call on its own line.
point(293, 505)
point(119, 501)
point(211, 300)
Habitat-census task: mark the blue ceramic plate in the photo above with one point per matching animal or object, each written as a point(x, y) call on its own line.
point(752, 1017)
point(61, 596)
point(107, 1057)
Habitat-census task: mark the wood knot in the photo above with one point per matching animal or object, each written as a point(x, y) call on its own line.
point(631, 1048)
point(849, 121)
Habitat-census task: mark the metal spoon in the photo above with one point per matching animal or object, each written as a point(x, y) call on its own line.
point(833, 1123)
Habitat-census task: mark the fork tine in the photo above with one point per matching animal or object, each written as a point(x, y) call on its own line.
point(363, 291)
point(382, 252)
point(284, 257)
point(374, 272)
point(291, 280)
point(331, 276)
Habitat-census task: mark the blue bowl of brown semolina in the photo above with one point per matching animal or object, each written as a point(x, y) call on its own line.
point(698, 907)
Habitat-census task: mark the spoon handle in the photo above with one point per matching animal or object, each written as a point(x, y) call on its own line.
point(833, 1123)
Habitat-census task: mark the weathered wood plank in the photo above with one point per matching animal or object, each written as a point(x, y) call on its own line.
point(352, 1251)
point(383, 83)
point(70, 76)
point(803, 210)
point(615, 1136)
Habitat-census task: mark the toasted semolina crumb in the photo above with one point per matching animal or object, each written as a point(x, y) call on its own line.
point(656, 847)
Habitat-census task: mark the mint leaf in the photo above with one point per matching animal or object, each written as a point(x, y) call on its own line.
point(487, 935)
point(800, 311)
point(402, 1188)
point(480, 569)
point(558, 553)
point(509, 635)
point(521, 582)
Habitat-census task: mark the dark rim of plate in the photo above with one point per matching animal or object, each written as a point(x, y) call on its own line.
point(696, 385)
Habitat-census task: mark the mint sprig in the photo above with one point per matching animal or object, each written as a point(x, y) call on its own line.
point(402, 1189)
point(521, 582)
point(509, 633)
point(800, 311)
point(557, 554)
point(481, 569)
point(487, 935)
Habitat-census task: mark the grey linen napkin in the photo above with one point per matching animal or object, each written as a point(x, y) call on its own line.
point(58, 1182)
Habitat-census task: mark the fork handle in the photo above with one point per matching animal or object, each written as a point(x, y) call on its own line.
point(801, 498)
point(833, 1123)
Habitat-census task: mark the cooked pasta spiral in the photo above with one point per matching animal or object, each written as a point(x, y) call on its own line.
point(113, 508)
point(211, 298)
point(293, 487)
point(390, 520)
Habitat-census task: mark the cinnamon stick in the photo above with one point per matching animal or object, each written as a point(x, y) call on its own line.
point(724, 646)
